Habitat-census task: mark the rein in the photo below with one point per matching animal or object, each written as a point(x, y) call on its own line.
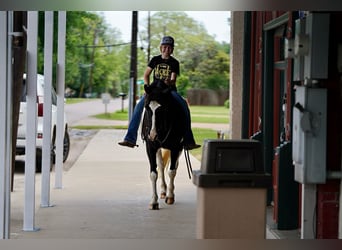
point(188, 162)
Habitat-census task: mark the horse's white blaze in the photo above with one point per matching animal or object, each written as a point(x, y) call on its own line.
point(153, 133)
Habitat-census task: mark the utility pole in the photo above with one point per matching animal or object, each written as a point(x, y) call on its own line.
point(148, 37)
point(90, 80)
point(133, 70)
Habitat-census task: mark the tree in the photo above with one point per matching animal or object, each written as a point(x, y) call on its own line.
point(109, 61)
point(98, 61)
point(204, 61)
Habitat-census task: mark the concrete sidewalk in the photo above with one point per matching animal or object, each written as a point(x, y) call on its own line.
point(105, 195)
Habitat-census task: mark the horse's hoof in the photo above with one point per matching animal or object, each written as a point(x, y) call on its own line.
point(169, 200)
point(154, 206)
point(162, 195)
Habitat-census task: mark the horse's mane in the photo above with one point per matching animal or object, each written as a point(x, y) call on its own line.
point(157, 91)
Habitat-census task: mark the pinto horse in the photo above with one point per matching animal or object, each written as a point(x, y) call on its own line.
point(163, 130)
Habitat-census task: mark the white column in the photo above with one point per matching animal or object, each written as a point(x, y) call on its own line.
point(308, 211)
point(60, 97)
point(5, 121)
point(46, 151)
point(31, 124)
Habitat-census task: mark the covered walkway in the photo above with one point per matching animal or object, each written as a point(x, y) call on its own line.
point(105, 195)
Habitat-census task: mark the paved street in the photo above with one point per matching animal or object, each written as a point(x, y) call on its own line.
point(78, 111)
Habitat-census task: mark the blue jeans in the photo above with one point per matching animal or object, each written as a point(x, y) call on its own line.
point(132, 132)
point(188, 136)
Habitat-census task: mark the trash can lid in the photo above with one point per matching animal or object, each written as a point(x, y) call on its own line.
point(232, 156)
point(220, 180)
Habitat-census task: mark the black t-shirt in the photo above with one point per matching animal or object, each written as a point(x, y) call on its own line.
point(163, 67)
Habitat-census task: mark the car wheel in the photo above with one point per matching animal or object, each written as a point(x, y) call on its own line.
point(66, 147)
point(38, 162)
point(39, 157)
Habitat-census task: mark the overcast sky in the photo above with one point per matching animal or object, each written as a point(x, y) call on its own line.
point(214, 21)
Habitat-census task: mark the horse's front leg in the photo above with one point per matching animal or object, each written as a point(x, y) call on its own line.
point(163, 156)
point(154, 201)
point(153, 177)
point(170, 196)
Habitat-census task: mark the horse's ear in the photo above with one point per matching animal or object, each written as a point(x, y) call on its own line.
point(147, 88)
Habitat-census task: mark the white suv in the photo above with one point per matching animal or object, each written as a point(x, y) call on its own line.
point(21, 137)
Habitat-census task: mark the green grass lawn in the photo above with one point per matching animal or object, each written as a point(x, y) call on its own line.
point(76, 100)
point(201, 134)
point(209, 114)
point(199, 114)
point(118, 115)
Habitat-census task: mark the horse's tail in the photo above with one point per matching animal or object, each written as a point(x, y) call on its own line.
point(166, 156)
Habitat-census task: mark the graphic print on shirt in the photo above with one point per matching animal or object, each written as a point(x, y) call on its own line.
point(162, 71)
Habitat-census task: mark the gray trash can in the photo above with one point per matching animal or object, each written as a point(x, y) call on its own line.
point(231, 190)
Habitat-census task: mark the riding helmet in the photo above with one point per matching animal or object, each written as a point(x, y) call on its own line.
point(167, 40)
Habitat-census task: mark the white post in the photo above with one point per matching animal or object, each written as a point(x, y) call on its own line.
point(6, 27)
point(46, 150)
point(60, 97)
point(31, 124)
point(308, 211)
point(3, 113)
